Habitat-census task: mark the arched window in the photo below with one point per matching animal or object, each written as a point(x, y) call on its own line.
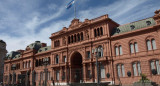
point(118, 50)
point(81, 36)
point(72, 39)
point(136, 68)
point(132, 27)
point(101, 30)
point(36, 63)
point(151, 44)
point(75, 38)
point(98, 32)
point(148, 22)
point(148, 44)
point(155, 66)
point(57, 59)
point(120, 70)
point(100, 51)
point(136, 47)
point(68, 39)
point(133, 47)
point(78, 37)
point(95, 33)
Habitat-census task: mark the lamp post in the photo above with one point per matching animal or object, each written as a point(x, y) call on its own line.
point(45, 63)
point(13, 68)
point(96, 54)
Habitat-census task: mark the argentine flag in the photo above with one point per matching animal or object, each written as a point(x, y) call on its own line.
point(69, 5)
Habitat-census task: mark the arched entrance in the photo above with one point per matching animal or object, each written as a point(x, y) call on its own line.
point(76, 68)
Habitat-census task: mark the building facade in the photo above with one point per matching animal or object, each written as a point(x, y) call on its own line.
point(124, 53)
point(3, 52)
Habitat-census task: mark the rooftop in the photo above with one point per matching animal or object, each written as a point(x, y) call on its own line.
point(133, 26)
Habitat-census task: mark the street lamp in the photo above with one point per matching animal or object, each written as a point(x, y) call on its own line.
point(96, 54)
point(13, 68)
point(45, 63)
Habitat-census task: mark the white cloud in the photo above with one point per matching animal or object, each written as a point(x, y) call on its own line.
point(26, 21)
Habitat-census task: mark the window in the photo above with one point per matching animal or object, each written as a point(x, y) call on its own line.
point(36, 76)
point(148, 22)
point(57, 75)
point(120, 70)
point(132, 27)
point(88, 54)
point(95, 33)
point(117, 30)
point(136, 47)
point(148, 45)
point(101, 31)
point(133, 47)
point(75, 38)
point(118, 50)
point(78, 37)
point(41, 75)
point(100, 51)
point(81, 36)
point(57, 59)
point(102, 69)
point(98, 32)
point(27, 64)
point(151, 44)
point(63, 75)
point(23, 64)
point(136, 68)
point(48, 76)
point(64, 59)
point(155, 65)
point(56, 43)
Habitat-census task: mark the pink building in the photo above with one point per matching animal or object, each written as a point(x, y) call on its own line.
point(124, 52)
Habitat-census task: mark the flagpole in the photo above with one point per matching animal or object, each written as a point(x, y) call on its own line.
point(75, 9)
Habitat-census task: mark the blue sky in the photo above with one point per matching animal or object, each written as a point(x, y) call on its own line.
point(24, 21)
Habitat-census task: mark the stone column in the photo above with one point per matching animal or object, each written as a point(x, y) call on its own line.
point(84, 72)
point(70, 74)
point(66, 74)
point(95, 69)
point(60, 75)
point(91, 69)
